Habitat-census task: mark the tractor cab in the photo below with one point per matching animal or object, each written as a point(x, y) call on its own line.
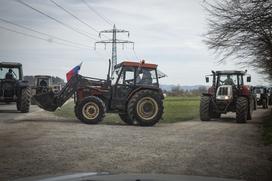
point(129, 77)
point(228, 84)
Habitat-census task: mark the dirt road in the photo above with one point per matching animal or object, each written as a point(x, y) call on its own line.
point(40, 144)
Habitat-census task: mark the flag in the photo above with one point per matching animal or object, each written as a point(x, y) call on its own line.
point(73, 72)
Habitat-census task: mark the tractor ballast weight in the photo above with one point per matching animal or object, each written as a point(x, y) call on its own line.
point(227, 94)
point(133, 92)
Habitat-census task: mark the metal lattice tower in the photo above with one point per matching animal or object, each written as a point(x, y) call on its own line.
point(114, 41)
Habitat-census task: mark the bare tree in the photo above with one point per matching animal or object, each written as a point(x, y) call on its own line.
point(242, 29)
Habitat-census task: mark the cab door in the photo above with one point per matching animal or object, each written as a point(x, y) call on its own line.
point(124, 85)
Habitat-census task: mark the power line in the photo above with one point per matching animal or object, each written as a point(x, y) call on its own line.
point(56, 20)
point(36, 37)
point(74, 16)
point(107, 20)
point(41, 33)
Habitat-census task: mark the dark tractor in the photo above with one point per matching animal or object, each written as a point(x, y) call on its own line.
point(227, 94)
point(12, 86)
point(262, 96)
point(270, 96)
point(133, 92)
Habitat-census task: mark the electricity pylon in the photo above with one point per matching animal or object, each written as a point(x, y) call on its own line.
point(114, 41)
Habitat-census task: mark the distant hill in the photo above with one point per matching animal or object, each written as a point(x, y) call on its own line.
point(168, 87)
point(56, 80)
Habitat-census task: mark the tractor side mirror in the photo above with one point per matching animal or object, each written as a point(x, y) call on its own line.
point(248, 79)
point(207, 79)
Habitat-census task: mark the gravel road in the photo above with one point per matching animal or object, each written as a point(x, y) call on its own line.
point(39, 143)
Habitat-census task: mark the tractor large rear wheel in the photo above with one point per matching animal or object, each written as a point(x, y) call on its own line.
point(25, 98)
point(241, 110)
point(204, 110)
point(124, 117)
point(145, 107)
point(91, 110)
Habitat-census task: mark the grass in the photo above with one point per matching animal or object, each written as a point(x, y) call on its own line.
point(176, 109)
point(267, 130)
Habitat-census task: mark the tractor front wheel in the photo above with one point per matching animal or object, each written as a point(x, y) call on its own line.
point(205, 108)
point(242, 107)
point(91, 110)
point(145, 107)
point(24, 103)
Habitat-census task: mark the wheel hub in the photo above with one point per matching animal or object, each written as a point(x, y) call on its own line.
point(90, 110)
point(147, 108)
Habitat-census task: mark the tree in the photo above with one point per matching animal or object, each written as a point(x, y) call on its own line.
point(242, 29)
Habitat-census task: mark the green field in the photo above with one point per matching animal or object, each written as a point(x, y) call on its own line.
point(175, 109)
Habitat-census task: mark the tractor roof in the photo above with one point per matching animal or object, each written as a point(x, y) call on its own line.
point(10, 64)
point(229, 72)
point(136, 64)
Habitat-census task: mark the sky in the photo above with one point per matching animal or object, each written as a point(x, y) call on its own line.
point(168, 33)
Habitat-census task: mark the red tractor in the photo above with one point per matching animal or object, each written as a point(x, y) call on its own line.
point(228, 93)
point(132, 91)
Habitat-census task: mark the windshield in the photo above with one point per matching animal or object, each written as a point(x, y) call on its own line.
point(9, 73)
point(228, 80)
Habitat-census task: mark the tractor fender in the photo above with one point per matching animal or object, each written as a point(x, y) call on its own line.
point(245, 91)
point(145, 88)
point(22, 84)
point(84, 92)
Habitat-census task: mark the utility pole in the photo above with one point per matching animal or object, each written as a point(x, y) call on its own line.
point(114, 41)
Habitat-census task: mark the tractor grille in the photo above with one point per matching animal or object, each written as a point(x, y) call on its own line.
point(223, 91)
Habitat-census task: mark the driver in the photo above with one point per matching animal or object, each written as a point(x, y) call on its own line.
point(228, 81)
point(9, 74)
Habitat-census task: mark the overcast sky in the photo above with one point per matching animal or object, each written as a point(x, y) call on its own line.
point(168, 33)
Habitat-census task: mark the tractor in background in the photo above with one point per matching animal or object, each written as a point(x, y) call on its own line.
point(262, 96)
point(43, 84)
point(12, 86)
point(228, 93)
point(132, 91)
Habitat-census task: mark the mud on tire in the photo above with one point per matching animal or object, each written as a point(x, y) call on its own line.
point(24, 103)
point(91, 110)
point(145, 107)
point(205, 108)
point(241, 110)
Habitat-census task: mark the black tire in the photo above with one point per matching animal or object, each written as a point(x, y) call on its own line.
point(145, 107)
point(241, 110)
point(25, 100)
point(265, 104)
point(250, 109)
point(91, 110)
point(18, 105)
point(75, 110)
point(204, 108)
point(216, 115)
point(124, 117)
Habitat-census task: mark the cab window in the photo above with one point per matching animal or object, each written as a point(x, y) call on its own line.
point(146, 76)
point(127, 76)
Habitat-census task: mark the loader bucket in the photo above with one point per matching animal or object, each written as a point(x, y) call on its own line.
point(46, 101)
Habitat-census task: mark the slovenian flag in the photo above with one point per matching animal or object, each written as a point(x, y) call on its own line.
point(73, 72)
